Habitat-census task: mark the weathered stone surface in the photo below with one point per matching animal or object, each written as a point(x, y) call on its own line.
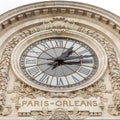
point(62, 19)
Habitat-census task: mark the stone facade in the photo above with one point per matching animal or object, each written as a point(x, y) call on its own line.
point(59, 19)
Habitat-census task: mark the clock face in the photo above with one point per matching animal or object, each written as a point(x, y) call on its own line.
point(59, 63)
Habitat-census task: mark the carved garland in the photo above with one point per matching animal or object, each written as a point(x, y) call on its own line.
point(56, 26)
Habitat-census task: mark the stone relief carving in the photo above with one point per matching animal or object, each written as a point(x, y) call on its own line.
point(112, 64)
point(59, 24)
point(95, 90)
point(62, 114)
point(62, 23)
point(23, 90)
point(59, 114)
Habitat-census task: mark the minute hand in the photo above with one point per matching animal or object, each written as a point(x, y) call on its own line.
point(76, 57)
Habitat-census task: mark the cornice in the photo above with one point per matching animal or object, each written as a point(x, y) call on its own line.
point(52, 7)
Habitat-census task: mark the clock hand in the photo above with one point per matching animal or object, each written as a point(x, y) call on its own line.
point(82, 61)
point(77, 62)
point(63, 55)
point(76, 57)
point(58, 60)
point(67, 53)
point(71, 62)
point(56, 64)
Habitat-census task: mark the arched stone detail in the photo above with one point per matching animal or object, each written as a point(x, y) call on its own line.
point(113, 64)
point(59, 114)
point(7, 22)
point(77, 9)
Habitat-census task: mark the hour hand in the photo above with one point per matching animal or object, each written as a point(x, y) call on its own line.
point(54, 65)
point(67, 53)
point(63, 55)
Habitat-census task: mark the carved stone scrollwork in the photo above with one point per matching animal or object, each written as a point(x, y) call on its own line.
point(95, 90)
point(112, 62)
point(23, 90)
point(59, 25)
point(114, 109)
point(59, 114)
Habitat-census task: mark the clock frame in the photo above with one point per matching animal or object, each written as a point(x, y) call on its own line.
point(97, 48)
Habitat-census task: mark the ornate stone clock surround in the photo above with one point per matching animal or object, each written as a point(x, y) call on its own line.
point(92, 23)
point(67, 33)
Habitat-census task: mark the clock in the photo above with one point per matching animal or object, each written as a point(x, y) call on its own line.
point(58, 63)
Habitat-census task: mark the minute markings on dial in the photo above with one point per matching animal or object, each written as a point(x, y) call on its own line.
point(67, 70)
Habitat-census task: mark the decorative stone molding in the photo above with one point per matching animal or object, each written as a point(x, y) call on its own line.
point(59, 25)
point(23, 90)
point(5, 62)
point(59, 114)
point(109, 50)
point(71, 29)
point(57, 7)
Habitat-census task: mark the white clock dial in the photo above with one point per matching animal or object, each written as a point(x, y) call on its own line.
point(59, 63)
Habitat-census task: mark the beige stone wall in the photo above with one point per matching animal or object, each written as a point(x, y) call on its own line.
point(30, 23)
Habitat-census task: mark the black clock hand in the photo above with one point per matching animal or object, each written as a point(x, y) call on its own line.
point(58, 61)
point(77, 62)
point(56, 64)
point(70, 62)
point(77, 57)
point(67, 53)
point(61, 61)
point(63, 55)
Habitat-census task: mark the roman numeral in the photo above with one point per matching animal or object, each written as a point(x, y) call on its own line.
point(84, 71)
point(75, 79)
point(82, 52)
point(60, 82)
point(44, 78)
point(32, 51)
point(33, 71)
point(58, 43)
point(28, 61)
point(45, 45)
